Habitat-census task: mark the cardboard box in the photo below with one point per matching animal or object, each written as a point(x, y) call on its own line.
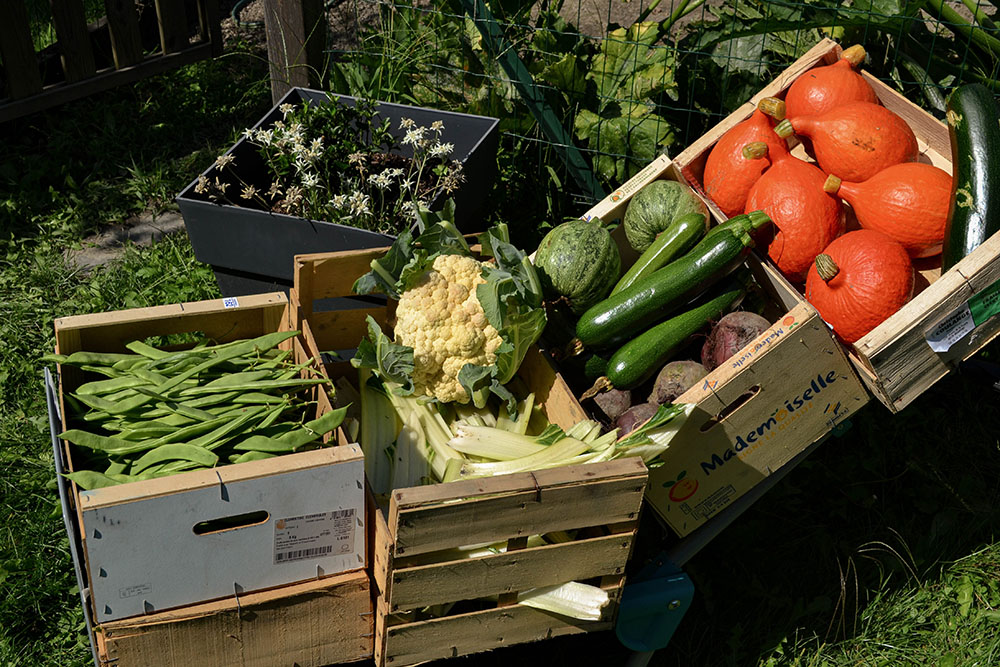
point(926, 338)
point(784, 391)
point(411, 566)
point(174, 541)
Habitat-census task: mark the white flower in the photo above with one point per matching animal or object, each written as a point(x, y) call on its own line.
point(317, 145)
point(339, 201)
point(248, 133)
point(406, 123)
point(203, 184)
point(223, 161)
point(406, 184)
point(359, 203)
point(356, 158)
point(382, 181)
point(413, 136)
point(437, 126)
point(394, 173)
point(310, 180)
point(286, 108)
point(249, 192)
point(442, 150)
point(265, 137)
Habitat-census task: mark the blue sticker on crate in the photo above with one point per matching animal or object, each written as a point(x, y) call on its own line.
point(230, 302)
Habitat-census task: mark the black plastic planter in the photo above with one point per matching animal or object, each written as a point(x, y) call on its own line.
point(251, 250)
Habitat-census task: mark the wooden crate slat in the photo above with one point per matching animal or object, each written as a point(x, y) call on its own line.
point(331, 275)
point(107, 332)
point(18, 51)
point(123, 24)
point(513, 571)
point(74, 39)
point(338, 329)
point(173, 25)
point(331, 618)
point(453, 636)
point(494, 519)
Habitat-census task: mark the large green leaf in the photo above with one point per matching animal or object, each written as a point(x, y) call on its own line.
point(630, 66)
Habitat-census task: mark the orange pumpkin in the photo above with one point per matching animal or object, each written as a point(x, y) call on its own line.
point(807, 218)
point(858, 281)
point(855, 141)
point(820, 89)
point(730, 172)
point(907, 202)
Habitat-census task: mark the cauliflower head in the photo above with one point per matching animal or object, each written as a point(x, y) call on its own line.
point(440, 317)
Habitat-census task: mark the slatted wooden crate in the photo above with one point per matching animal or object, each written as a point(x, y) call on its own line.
point(138, 542)
point(783, 392)
point(412, 568)
point(895, 360)
point(25, 90)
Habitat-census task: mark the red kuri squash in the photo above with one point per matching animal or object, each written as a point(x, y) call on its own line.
point(730, 172)
point(907, 202)
point(820, 89)
point(855, 141)
point(807, 218)
point(858, 281)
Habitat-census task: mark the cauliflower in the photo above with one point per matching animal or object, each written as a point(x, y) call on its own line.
point(440, 317)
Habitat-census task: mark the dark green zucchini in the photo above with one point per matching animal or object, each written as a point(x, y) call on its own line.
point(974, 129)
point(748, 222)
point(682, 234)
point(657, 295)
point(637, 360)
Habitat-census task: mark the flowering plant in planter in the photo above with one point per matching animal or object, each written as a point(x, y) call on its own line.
point(340, 163)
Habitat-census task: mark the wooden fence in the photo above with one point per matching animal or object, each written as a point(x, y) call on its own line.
point(122, 47)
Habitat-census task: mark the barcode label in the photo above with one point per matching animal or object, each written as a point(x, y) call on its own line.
point(230, 302)
point(314, 535)
point(299, 554)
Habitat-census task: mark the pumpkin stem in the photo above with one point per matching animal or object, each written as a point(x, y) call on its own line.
point(784, 129)
point(854, 55)
point(772, 107)
point(755, 150)
point(832, 184)
point(826, 267)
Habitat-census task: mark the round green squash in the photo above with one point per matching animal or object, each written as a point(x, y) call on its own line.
point(579, 261)
point(654, 207)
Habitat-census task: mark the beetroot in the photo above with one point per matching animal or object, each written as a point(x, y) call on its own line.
point(730, 335)
point(613, 402)
point(674, 379)
point(635, 416)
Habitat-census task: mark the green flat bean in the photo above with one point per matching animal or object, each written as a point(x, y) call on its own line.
point(115, 407)
point(175, 451)
point(106, 444)
point(225, 381)
point(250, 456)
point(258, 397)
point(83, 358)
point(254, 386)
point(111, 385)
point(292, 440)
point(90, 479)
point(212, 439)
point(139, 347)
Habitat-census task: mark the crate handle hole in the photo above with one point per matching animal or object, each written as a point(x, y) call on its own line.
point(222, 524)
point(740, 401)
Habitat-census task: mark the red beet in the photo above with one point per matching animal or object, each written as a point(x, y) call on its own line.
point(730, 335)
point(674, 379)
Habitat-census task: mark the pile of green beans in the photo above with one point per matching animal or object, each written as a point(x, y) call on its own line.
point(158, 412)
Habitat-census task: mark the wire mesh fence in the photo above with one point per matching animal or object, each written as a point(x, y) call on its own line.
point(590, 91)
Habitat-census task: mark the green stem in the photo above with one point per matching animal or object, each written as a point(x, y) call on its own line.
point(979, 15)
point(649, 10)
point(679, 12)
point(927, 87)
point(955, 21)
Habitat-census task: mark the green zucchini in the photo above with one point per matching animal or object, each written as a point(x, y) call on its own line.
point(748, 222)
point(637, 360)
point(974, 129)
point(682, 234)
point(657, 295)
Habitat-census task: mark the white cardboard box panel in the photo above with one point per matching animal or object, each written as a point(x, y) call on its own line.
point(314, 526)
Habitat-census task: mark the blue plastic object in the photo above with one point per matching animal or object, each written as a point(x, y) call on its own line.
point(652, 606)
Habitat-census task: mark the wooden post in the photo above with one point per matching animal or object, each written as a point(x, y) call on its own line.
point(296, 40)
point(17, 51)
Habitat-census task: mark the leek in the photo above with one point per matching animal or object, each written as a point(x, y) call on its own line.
point(378, 433)
point(571, 599)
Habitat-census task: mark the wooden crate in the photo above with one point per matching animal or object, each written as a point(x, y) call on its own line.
point(139, 549)
point(895, 360)
point(784, 391)
point(322, 622)
point(411, 568)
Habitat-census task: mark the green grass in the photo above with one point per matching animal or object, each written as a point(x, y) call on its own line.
point(881, 548)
